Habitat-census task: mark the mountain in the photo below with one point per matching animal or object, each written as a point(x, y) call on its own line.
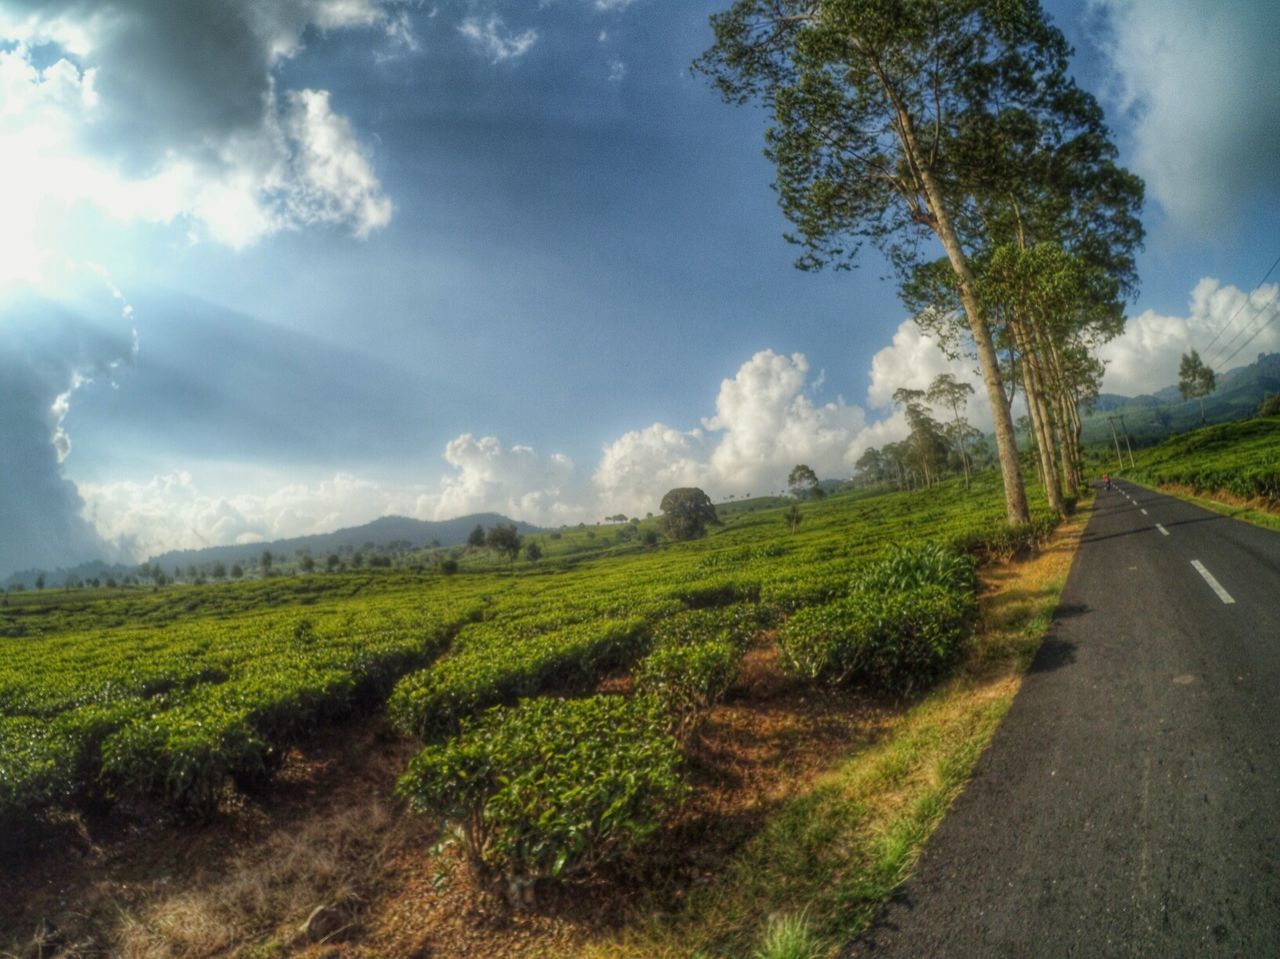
point(1153, 416)
point(382, 531)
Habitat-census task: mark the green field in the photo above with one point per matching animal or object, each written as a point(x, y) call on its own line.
point(177, 693)
point(1240, 460)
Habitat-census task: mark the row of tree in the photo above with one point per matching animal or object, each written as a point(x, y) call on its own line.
point(956, 121)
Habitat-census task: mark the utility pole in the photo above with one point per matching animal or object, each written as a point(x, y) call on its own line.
point(1111, 421)
point(1124, 429)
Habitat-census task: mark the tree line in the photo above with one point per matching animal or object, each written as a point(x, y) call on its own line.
point(955, 123)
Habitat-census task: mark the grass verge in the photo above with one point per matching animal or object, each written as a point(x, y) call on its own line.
point(835, 852)
point(1222, 502)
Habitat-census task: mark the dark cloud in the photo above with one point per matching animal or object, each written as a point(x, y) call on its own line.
point(44, 346)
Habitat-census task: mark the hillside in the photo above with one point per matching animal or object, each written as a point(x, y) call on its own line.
point(1153, 416)
point(1238, 463)
point(382, 532)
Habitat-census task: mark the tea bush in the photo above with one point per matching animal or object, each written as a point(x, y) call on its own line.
point(894, 639)
point(550, 788)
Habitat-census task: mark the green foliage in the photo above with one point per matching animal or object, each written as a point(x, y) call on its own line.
point(1195, 379)
point(695, 659)
point(1270, 405)
point(181, 692)
point(505, 540)
point(893, 639)
point(910, 567)
point(550, 788)
point(1240, 459)
point(686, 513)
point(495, 664)
point(790, 937)
point(997, 542)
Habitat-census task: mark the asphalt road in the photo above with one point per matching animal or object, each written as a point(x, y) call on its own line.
point(1129, 804)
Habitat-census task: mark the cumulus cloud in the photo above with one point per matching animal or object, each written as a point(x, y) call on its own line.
point(766, 420)
point(1145, 358)
point(172, 511)
point(492, 38)
point(1194, 75)
point(160, 110)
point(517, 481)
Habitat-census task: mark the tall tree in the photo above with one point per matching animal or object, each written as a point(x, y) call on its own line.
point(803, 482)
point(1196, 380)
point(505, 540)
point(954, 395)
point(897, 120)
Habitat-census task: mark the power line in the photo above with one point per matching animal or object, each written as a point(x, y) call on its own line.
point(1227, 325)
point(1255, 333)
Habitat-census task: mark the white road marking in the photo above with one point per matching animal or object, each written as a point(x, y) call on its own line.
point(1144, 512)
point(1213, 583)
point(1162, 529)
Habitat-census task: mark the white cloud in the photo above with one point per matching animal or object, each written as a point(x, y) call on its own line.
point(1198, 78)
point(517, 481)
point(766, 420)
point(1145, 358)
point(172, 511)
point(617, 71)
point(495, 41)
point(158, 112)
point(912, 360)
point(765, 423)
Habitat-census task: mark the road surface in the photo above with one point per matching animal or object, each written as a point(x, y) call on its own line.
point(1129, 804)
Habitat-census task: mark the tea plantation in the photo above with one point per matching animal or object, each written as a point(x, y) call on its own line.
point(178, 695)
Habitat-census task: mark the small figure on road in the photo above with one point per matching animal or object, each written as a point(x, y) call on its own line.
point(1106, 481)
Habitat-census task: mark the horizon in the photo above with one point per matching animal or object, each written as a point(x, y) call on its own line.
point(366, 258)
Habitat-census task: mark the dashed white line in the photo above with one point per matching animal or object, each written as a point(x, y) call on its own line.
point(1144, 512)
point(1213, 583)
point(1162, 530)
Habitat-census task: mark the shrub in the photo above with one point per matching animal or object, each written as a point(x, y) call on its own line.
point(893, 638)
point(1000, 542)
point(550, 788)
point(184, 756)
point(430, 704)
point(688, 678)
point(911, 567)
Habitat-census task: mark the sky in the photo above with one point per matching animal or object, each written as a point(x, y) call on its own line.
point(273, 269)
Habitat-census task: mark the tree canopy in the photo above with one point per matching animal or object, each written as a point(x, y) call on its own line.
point(895, 122)
point(803, 482)
point(686, 513)
point(505, 540)
point(1195, 379)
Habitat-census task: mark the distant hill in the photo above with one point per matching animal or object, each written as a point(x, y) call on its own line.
point(1153, 416)
point(409, 533)
point(382, 531)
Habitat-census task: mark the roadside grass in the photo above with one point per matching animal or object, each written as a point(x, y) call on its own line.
point(1221, 502)
point(816, 873)
point(1230, 468)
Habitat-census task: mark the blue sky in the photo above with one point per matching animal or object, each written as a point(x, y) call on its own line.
point(438, 258)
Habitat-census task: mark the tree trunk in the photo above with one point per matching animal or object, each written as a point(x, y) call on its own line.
point(1015, 494)
point(1036, 413)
